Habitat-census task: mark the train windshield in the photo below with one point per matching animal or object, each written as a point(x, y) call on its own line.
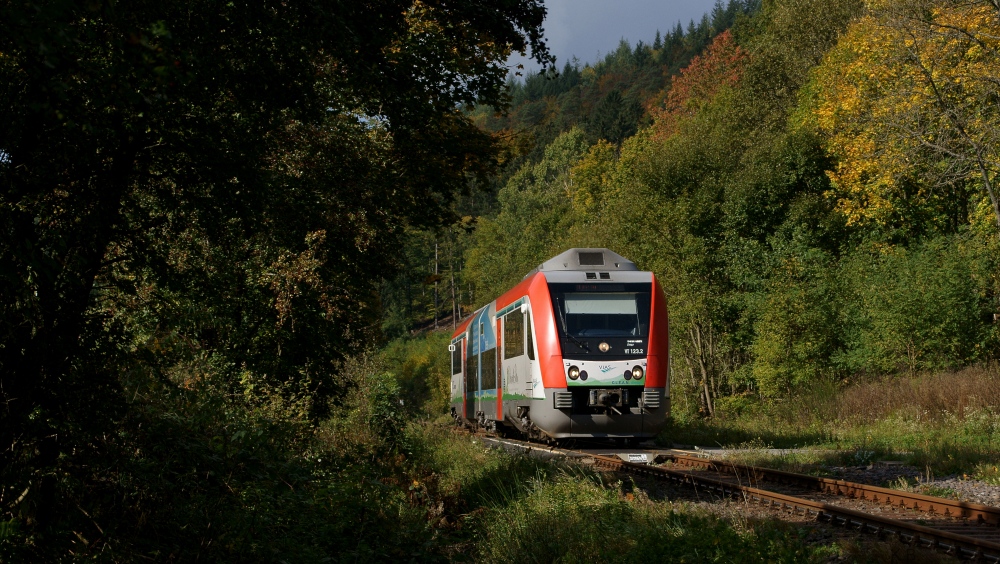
point(583, 312)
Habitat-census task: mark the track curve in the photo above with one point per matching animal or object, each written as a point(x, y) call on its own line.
point(962, 529)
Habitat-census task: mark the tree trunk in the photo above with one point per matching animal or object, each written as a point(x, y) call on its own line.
point(454, 303)
point(38, 383)
point(435, 285)
point(704, 367)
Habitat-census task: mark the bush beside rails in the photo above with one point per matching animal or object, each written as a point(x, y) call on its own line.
point(422, 366)
point(202, 473)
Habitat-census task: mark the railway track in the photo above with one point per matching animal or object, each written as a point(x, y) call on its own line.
point(965, 530)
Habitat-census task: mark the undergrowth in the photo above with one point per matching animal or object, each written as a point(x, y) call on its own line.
point(211, 476)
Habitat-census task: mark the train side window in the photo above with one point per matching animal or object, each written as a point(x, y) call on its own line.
point(527, 332)
point(456, 358)
point(513, 335)
point(471, 373)
point(489, 369)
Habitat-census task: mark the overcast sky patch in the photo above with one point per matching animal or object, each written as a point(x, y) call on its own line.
point(589, 29)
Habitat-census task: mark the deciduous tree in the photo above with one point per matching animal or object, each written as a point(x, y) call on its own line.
point(230, 177)
point(908, 99)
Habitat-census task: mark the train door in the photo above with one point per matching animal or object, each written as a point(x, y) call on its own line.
point(457, 349)
point(471, 372)
point(533, 374)
point(516, 371)
point(499, 369)
point(487, 369)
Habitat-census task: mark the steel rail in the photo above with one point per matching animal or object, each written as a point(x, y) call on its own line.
point(909, 533)
point(983, 514)
point(961, 546)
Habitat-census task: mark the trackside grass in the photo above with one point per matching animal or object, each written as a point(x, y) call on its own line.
point(499, 505)
point(492, 506)
point(569, 519)
point(945, 423)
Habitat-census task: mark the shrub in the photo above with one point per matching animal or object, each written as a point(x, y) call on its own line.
point(422, 367)
point(920, 309)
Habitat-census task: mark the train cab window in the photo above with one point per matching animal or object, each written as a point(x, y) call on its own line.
point(513, 335)
point(527, 332)
point(606, 312)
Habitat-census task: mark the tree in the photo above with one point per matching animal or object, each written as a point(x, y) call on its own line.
point(615, 118)
point(907, 98)
point(232, 177)
point(533, 222)
point(721, 65)
point(719, 195)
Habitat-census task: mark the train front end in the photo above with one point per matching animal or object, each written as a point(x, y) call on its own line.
point(605, 353)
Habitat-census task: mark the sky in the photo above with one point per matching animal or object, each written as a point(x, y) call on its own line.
point(591, 28)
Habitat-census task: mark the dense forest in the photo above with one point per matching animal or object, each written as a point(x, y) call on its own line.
point(610, 100)
point(212, 217)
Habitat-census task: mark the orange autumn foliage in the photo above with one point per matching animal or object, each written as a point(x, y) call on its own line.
point(721, 65)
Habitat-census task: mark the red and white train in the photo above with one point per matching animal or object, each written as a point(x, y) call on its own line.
point(578, 349)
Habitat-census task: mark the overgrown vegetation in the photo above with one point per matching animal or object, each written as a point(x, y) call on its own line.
point(942, 422)
point(367, 484)
point(196, 203)
point(490, 506)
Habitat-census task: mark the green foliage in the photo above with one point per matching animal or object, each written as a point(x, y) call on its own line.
point(534, 218)
point(196, 473)
point(427, 292)
point(502, 500)
point(797, 331)
point(547, 104)
point(615, 118)
point(472, 474)
point(727, 198)
point(214, 196)
point(920, 308)
point(422, 366)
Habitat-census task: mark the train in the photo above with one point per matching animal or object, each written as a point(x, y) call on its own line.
point(579, 349)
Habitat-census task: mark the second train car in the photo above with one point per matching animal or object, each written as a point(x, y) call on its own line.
point(578, 349)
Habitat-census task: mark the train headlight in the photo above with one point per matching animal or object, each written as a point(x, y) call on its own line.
point(637, 373)
point(573, 373)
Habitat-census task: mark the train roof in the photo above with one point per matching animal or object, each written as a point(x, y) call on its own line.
point(462, 326)
point(588, 259)
point(573, 265)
